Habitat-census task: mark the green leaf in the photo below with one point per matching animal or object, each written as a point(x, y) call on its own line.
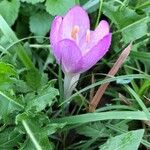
point(135, 30)
point(7, 69)
point(34, 131)
point(58, 7)
point(5, 82)
point(121, 17)
point(94, 130)
point(9, 10)
point(126, 141)
point(33, 1)
point(6, 72)
point(46, 127)
point(38, 128)
point(19, 86)
point(52, 128)
point(27, 145)
point(139, 101)
point(33, 79)
point(40, 23)
point(142, 56)
point(9, 138)
point(91, 117)
point(11, 38)
point(45, 97)
point(91, 5)
point(8, 105)
point(130, 24)
point(144, 5)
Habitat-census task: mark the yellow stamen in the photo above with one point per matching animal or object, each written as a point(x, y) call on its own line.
point(88, 36)
point(75, 32)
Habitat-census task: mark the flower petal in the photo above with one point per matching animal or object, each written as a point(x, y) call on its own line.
point(54, 33)
point(96, 53)
point(68, 55)
point(77, 16)
point(95, 36)
point(101, 30)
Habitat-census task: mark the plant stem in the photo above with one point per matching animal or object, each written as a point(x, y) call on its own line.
point(70, 82)
point(60, 81)
point(99, 12)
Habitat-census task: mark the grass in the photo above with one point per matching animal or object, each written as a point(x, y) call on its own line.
point(34, 113)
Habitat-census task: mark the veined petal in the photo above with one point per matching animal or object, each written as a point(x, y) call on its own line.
point(76, 16)
point(95, 36)
point(68, 55)
point(96, 53)
point(54, 33)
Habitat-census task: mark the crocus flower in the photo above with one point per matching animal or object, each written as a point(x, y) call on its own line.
point(76, 47)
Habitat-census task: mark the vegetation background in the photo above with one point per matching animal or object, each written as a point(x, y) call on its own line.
point(32, 109)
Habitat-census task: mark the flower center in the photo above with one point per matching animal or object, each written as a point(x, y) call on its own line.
point(74, 32)
point(88, 36)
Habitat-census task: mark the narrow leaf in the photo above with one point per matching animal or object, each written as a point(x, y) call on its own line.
point(91, 117)
point(112, 72)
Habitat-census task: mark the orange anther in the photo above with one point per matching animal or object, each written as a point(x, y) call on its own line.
point(88, 36)
point(74, 32)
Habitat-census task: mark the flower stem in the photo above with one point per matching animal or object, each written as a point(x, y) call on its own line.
point(70, 82)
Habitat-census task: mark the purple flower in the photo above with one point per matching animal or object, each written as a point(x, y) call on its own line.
point(74, 45)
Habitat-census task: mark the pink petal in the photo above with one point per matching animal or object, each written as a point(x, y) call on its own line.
point(68, 55)
point(96, 53)
point(95, 36)
point(77, 16)
point(55, 28)
point(101, 30)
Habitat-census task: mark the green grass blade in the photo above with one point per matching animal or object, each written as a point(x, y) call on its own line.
point(140, 102)
point(91, 117)
point(143, 56)
point(11, 37)
point(131, 76)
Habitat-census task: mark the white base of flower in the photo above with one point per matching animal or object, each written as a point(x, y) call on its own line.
point(70, 83)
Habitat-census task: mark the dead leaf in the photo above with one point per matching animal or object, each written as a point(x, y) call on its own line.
point(94, 102)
